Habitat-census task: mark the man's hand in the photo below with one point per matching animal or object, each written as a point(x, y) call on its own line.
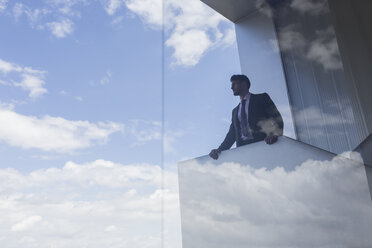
point(214, 154)
point(271, 139)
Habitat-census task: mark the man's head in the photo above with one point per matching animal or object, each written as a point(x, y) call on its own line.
point(240, 85)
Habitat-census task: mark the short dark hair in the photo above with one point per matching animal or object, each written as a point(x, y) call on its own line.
point(241, 78)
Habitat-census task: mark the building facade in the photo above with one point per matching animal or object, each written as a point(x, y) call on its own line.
point(314, 57)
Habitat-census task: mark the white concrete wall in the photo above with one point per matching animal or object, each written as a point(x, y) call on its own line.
point(260, 60)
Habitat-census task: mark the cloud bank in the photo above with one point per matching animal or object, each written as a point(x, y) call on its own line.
point(97, 204)
point(318, 204)
point(49, 133)
point(192, 28)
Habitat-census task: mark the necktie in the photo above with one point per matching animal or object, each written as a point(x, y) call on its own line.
point(243, 116)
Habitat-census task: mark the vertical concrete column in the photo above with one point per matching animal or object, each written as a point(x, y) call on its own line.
point(261, 61)
point(352, 22)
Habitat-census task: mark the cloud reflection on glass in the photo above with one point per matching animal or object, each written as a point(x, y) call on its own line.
point(286, 195)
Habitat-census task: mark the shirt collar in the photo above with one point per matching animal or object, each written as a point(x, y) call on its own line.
point(246, 97)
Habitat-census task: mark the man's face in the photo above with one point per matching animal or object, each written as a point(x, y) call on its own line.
point(236, 86)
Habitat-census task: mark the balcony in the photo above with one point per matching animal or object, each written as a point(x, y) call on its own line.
point(288, 194)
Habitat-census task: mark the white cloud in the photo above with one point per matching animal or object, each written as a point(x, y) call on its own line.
point(26, 223)
point(31, 80)
point(229, 37)
point(324, 50)
point(3, 4)
point(316, 204)
point(314, 117)
point(149, 10)
point(33, 15)
point(111, 228)
point(314, 7)
point(33, 84)
point(193, 27)
point(170, 138)
point(6, 67)
point(90, 205)
point(79, 98)
point(18, 10)
point(62, 9)
point(52, 133)
point(290, 39)
point(192, 45)
point(62, 28)
point(270, 126)
point(112, 6)
point(65, 7)
point(2, 82)
point(186, 21)
point(4, 105)
point(317, 120)
point(106, 78)
point(264, 8)
point(146, 131)
point(63, 92)
point(117, 20)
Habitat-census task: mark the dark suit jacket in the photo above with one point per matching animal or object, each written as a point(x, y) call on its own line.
point(263, 117)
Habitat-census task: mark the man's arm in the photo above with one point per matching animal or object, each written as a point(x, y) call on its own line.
point(276, 121)
point(229, 139)
point(226, 144)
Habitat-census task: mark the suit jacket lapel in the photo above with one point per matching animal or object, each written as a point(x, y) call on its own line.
point(236, 119)
point(235, 115)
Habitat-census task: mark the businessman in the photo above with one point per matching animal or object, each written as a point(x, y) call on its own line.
point(256, 118)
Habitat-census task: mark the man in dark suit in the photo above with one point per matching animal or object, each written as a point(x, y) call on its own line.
point(255, 118)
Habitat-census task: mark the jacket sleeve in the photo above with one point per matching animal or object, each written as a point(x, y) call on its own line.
point(274, 116)
point(229, 139)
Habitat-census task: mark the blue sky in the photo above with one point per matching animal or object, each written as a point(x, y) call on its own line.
point(80, 103)
point(107, 68)
point(80, 115)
